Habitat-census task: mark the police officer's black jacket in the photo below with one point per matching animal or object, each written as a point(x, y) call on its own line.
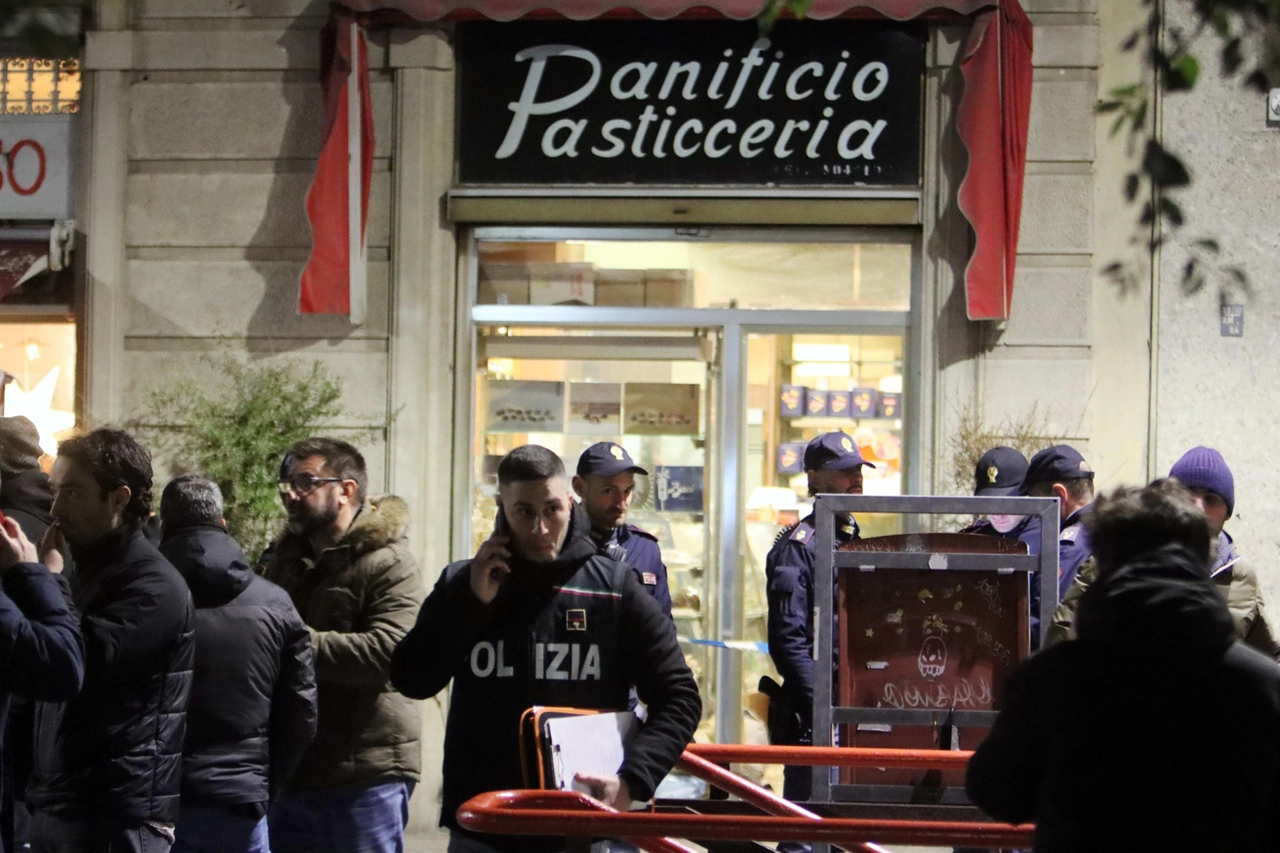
point(1155, 730)
point(114, 753)
point(575, 632)
point(253, 699)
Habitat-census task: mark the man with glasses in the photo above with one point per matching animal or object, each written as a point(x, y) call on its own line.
point(345, 562)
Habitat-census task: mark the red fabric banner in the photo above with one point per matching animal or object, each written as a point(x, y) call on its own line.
point(993, 118)
point(326, 279)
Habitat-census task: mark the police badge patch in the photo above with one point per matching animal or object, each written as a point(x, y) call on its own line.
point(575, 620)
point(993, 473)
point(648, 578)
point(616, 451)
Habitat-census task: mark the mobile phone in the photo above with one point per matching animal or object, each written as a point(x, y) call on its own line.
point(500, 523)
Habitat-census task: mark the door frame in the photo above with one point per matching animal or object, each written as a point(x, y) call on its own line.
point(733, 325)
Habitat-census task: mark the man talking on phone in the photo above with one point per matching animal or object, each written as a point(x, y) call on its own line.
point(540, 617)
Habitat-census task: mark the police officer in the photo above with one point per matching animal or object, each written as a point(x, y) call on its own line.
point(540, 617)
point(999, 474)
point(605, 481)
point(1060, 471)
point(834, 466)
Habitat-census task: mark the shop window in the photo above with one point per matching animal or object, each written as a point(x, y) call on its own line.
point(636, 274)
point(39, 86)
point(38, 366)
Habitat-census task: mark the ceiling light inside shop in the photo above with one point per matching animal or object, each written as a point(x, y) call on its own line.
point(810, 369)
point(821, 352)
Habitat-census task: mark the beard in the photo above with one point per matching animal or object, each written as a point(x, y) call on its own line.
point(306, 521)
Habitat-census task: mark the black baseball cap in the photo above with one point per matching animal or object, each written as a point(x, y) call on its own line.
point(999, 473)
point(605, 459)
point(1056, 464)
point(833, 451)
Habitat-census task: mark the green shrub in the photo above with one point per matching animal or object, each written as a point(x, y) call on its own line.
point(235, 428)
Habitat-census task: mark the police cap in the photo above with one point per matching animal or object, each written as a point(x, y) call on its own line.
point(999, 473)
point(833, 451)
point(1056, 464)
point(605, 459)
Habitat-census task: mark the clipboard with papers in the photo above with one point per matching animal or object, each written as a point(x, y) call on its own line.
point(558, 743)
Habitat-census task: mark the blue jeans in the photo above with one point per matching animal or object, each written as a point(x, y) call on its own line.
point(359, 819)
point(208, 829)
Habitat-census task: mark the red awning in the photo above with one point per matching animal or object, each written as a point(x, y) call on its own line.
point(993, 117)
point(581, 10)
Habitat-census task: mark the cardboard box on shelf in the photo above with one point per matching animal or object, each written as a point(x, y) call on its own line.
point(816, 403)
point(620, 288)
point(791, 401)
point(668, 288)
point(840, 404)
point(562, 284)
point(503, 284)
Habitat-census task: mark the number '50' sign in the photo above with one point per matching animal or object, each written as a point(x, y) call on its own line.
point(23, 168)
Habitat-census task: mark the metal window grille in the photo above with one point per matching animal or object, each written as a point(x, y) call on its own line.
point(39, 86)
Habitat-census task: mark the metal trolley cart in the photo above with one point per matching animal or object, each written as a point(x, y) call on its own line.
point(927, 627)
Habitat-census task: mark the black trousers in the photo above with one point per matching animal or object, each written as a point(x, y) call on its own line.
point(51, 833)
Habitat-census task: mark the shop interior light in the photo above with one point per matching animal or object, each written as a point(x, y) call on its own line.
point(821, 352)
point(891, 384)
point(811, 369)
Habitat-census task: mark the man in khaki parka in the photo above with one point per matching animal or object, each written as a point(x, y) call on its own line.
point(345, 562)
point(1205, 473)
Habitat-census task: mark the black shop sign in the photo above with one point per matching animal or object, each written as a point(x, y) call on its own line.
point(689, 102)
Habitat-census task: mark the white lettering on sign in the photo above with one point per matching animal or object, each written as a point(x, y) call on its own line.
point(35, 174)
point(528, 106)
point(647, 133)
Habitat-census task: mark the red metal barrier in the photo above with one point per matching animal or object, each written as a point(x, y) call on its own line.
point(568, 813)
point(762, 798)
point(832, 756)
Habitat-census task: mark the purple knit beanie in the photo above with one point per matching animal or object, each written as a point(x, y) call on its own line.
point(1204, 468)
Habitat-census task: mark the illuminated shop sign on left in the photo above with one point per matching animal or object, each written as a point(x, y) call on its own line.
point(689, 102)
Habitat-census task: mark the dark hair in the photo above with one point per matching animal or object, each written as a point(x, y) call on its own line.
point(190, 500)
point(114, 459)
point(528, 463)
point(341, 458)
point(1131, 522)
point(1079, 489)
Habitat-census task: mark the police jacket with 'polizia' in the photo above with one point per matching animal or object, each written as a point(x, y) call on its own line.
point(579, 631)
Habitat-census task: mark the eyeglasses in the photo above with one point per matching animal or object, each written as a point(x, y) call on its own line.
point(303, 484)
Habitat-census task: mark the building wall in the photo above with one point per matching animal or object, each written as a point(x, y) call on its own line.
point(1217, 390)
point(1075, 350)
point(205, 122)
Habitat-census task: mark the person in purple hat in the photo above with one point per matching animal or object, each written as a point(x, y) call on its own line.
point(1204, 472)
point(833, 465)
point(604, 482)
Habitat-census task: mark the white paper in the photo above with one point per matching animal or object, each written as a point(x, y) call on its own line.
point(591, 744)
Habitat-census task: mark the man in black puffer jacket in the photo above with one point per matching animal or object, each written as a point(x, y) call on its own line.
point(108, 763)
point(540, 617)
point(253, 698)
point(1155, 729)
